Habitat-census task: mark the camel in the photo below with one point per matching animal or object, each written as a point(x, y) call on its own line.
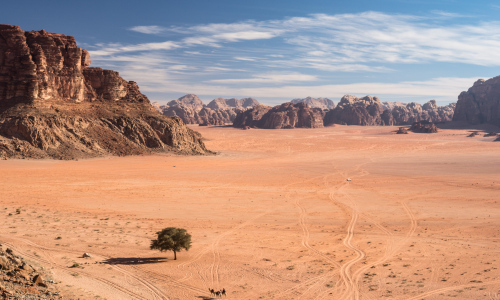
point(223, 292)
point(212, 292)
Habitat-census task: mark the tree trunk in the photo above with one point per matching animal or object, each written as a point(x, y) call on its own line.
point(175, 255)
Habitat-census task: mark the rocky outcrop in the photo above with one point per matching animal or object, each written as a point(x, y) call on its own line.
point(323, 103)
point(233, 103)
point(191, 110)
point(286, 115)
point(414, 112)
point(402, 130)
point(370, 111)
point(480, 104)
point(52, 104)
point(21, 280)
point(423, 127)
point(356, 111)
point(251, 118)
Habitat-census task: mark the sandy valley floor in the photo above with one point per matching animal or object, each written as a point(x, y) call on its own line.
point(272, 217)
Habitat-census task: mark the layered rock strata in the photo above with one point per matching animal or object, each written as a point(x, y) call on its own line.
point(480, 104)
point(52, 104)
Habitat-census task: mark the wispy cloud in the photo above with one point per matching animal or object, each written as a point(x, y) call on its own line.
point(148, 29)
point(269, 78)
point(286, 56)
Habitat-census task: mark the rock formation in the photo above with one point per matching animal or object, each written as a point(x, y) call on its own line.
point(20, 280)
point(370, 111)
point(191, 110)
point(52, 104)
point(480, 104)
point(251, 118)
point(323, 103)
point(356, 111)
point(286, 115)
point(414, 112)
point(423, 127)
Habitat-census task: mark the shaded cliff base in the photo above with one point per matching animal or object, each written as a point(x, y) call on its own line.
point(91, 129)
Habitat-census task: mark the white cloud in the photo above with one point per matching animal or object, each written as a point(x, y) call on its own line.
point(148, 29)
point(269, 78)
point(444, 89)
point(245, 58)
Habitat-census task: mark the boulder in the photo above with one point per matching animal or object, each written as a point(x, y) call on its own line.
point(423, 127)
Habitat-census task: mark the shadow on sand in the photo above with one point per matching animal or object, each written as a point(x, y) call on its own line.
point(206, 298)
point(134, 260)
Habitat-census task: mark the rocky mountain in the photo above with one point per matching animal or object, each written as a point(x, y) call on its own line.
point(53, 105)
point(286, 115)
point(370, 111)
point(480, 104)
point(323, 103)
point(356, 111)
point(233, 103)
point(414, 112)
point(191, 110)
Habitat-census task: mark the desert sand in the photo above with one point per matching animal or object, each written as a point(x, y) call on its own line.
point(272, 216)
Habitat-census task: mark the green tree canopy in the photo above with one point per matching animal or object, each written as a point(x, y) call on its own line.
point(172, 239)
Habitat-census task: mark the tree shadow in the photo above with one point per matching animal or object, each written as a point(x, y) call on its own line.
point(134, 260)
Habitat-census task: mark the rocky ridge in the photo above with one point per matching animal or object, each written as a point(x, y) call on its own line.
point(323, 103)
point(286, 115)
point(366, 111)
point(53, 105)
point(480, 104)
point(191, 110)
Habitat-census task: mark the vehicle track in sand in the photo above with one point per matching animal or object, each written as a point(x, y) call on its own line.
point(450, 288)
point(106, 282)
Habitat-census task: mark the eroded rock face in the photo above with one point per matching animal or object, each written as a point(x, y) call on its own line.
point(323, 103)
point(480, 104)
point(423, 127)
point(370, 111)
point(356, 111)
point(414, 112)
point(52, 104)
point(191, 110)
point(251, 118)
point(286, 115)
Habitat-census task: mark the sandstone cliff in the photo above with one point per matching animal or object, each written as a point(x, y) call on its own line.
point(191, 110)
point(286, 115)
point(52, 104)
point(480, 104)
point(370, 111)
point(323, 103)
point(356, 111)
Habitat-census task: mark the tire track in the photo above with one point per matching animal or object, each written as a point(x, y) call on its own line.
point(155, 291)
point(446, 289)
point(104, 281)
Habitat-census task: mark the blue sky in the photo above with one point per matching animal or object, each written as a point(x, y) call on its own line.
point(275, 51)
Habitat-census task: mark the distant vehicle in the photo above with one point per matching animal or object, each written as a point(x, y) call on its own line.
point(348, 179)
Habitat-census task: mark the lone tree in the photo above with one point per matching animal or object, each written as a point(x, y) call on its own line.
point(173, 239)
